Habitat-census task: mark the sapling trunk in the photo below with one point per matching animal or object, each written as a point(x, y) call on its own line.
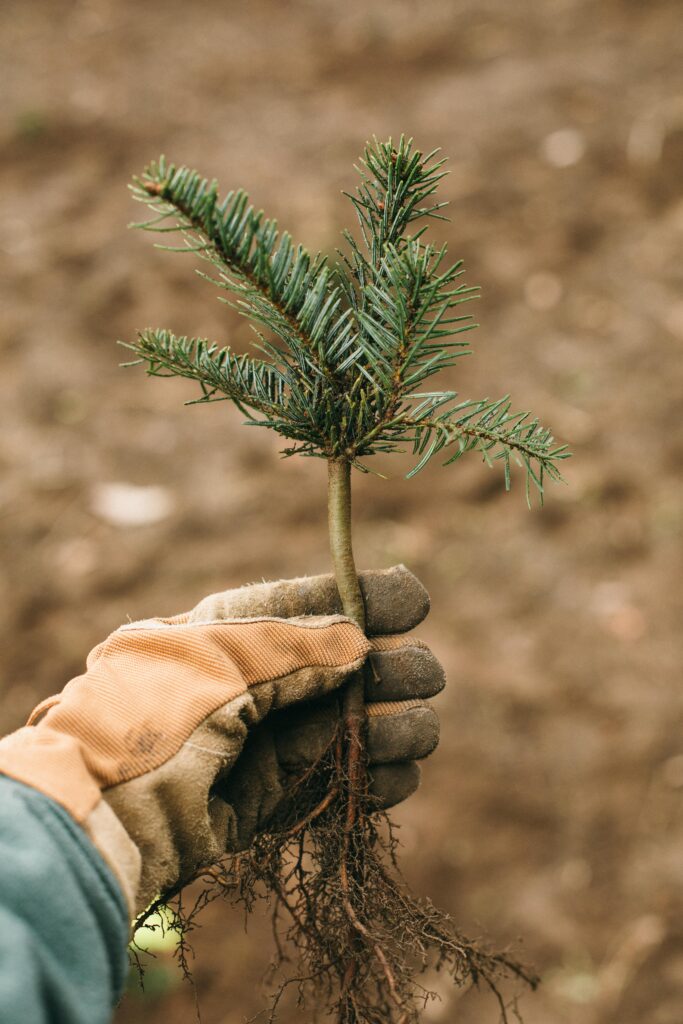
point(341, 549)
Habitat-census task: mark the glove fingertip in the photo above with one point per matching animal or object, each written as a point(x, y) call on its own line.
point(395, 600)
point(391, 784)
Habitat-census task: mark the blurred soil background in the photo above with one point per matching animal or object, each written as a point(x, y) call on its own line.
point(552, 812)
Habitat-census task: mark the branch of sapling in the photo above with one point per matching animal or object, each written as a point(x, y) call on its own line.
point(277, 283)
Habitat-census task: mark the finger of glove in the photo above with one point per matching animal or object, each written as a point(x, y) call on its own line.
point(390, 784)
point(404, 673)
point(396, 731)
point(401, 731)
point(395, 600)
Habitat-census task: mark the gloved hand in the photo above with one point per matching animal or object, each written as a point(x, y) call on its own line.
point(191, 728)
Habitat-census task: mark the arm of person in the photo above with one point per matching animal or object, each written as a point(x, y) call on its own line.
point(64, 923)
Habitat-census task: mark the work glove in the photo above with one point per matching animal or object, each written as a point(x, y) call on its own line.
point(185, 735)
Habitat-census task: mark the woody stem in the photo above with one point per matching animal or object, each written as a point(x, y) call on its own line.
point(353, 703)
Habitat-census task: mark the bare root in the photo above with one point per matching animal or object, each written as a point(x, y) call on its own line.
point(361, 940)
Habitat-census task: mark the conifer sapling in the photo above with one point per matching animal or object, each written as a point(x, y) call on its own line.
point(346, 353)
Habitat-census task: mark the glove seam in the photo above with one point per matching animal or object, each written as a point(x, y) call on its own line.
point(330, 620)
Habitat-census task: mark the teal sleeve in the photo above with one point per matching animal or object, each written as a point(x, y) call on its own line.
point(63, 921)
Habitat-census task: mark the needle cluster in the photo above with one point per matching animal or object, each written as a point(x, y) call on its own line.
point(344, 349)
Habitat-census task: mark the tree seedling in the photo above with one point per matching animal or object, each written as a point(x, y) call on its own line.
point(344, 352)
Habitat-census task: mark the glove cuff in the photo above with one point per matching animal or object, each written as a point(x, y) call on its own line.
point(117, 849)
point(53, 763)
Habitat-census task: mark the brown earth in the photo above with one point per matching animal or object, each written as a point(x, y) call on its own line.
point(552, 811)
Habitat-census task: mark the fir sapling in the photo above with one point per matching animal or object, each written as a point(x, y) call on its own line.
point(344, 352)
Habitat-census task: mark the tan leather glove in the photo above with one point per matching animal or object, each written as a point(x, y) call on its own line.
point(191, 727)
